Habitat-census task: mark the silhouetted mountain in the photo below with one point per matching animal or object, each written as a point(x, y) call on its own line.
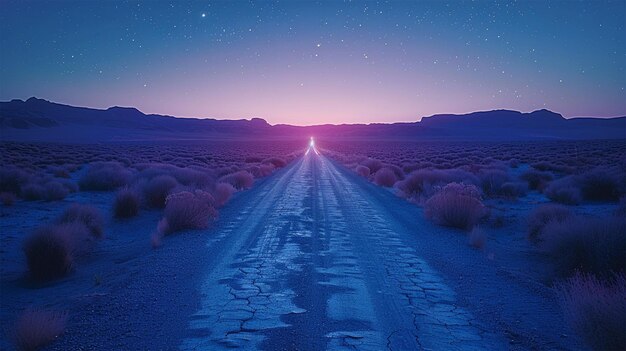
point(23, 120)
point(41, 120)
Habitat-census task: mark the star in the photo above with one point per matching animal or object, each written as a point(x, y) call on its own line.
point(203, 15)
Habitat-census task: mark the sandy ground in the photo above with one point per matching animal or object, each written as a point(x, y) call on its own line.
point(312, 258)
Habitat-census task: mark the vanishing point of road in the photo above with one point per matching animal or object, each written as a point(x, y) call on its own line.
point(317, 263)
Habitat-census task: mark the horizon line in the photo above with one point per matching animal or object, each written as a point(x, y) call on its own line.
point(250, 118)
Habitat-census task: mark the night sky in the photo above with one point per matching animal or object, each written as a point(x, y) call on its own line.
point(318, 62)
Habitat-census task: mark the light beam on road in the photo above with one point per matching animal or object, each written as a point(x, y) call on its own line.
point(311, 147)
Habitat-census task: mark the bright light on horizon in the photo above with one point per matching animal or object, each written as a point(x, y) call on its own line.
point(311, 147)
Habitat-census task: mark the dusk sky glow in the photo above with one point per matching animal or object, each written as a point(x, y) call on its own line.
point(318, 62)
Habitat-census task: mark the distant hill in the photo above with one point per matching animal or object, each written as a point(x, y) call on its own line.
point(41, 120)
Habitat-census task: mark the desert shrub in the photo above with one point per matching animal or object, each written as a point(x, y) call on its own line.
point(385, 177)
point(396, 170)
point(48, 253)
point(253, 159)
point(186, 210)
point(537, 180)
point(548, 166)
point(126, 203)
point(193, 176)
point(262, 170)
point(59, 172)
point(373, 164)
point(541, 216)
point(596, 309)
point(564, 190)
point(223, 192)
point(55, 191)
point(104, 176)
point(239, 180)
point(198, 177)
point(157, 189)
point(513, 190)
point(12, 179)
point(7, 198)
point(410, 167)
point(68, 184)
point(594, 245)
point(33, 192)
point(85, 214)
point(223, 171)
point(600, 185)
point(455, 205)
point(363, 171)
point(77, 236)
point(491, 181)
point(424, 182)
point(477, 238)
point(36, 328)
point(277, 162)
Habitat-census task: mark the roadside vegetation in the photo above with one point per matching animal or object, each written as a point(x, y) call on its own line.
point(461, 185)
point(186, 184)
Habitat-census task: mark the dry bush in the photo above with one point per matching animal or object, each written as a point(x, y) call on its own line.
point(253, 159)
point(87, 215)
point(373, 164)
point(491, 181)
point(48, 253)
point(596, 309)
point(564, 190)
point(36, 328)
point(537, 180)
point(385, 177)
point(186, 210)
point(363, 171)
point(541, 216)
point(513, 190)
point(126, 203)
point(586, 244)
point(59, 171)
point(423, 183)
point(455, 205)
point(239, 180)
point(194, 176)
point(262, 170)
point(33, 192)
point(105, 176)
point(396, 170)
point(548, 166)
point(600, 185)
point(12, 179)
point(157, 189)
point(223, 192)
point(55, 191)
point(277, 162)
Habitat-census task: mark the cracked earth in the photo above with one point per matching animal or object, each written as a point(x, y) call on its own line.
point(317, 264)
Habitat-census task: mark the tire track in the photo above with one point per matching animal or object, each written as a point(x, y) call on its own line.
point(318, 264)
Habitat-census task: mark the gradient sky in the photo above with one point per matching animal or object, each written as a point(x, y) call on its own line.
point(317, 62)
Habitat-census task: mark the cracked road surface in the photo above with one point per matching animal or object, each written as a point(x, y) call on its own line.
point(318, 263)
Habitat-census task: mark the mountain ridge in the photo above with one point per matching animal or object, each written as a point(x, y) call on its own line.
point(28, 120)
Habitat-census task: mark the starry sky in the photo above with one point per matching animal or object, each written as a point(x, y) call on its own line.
point(303, 63)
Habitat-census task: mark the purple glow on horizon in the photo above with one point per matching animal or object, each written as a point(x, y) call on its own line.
point(302, 63)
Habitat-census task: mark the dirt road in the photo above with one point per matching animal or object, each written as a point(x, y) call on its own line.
point(318, 262)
